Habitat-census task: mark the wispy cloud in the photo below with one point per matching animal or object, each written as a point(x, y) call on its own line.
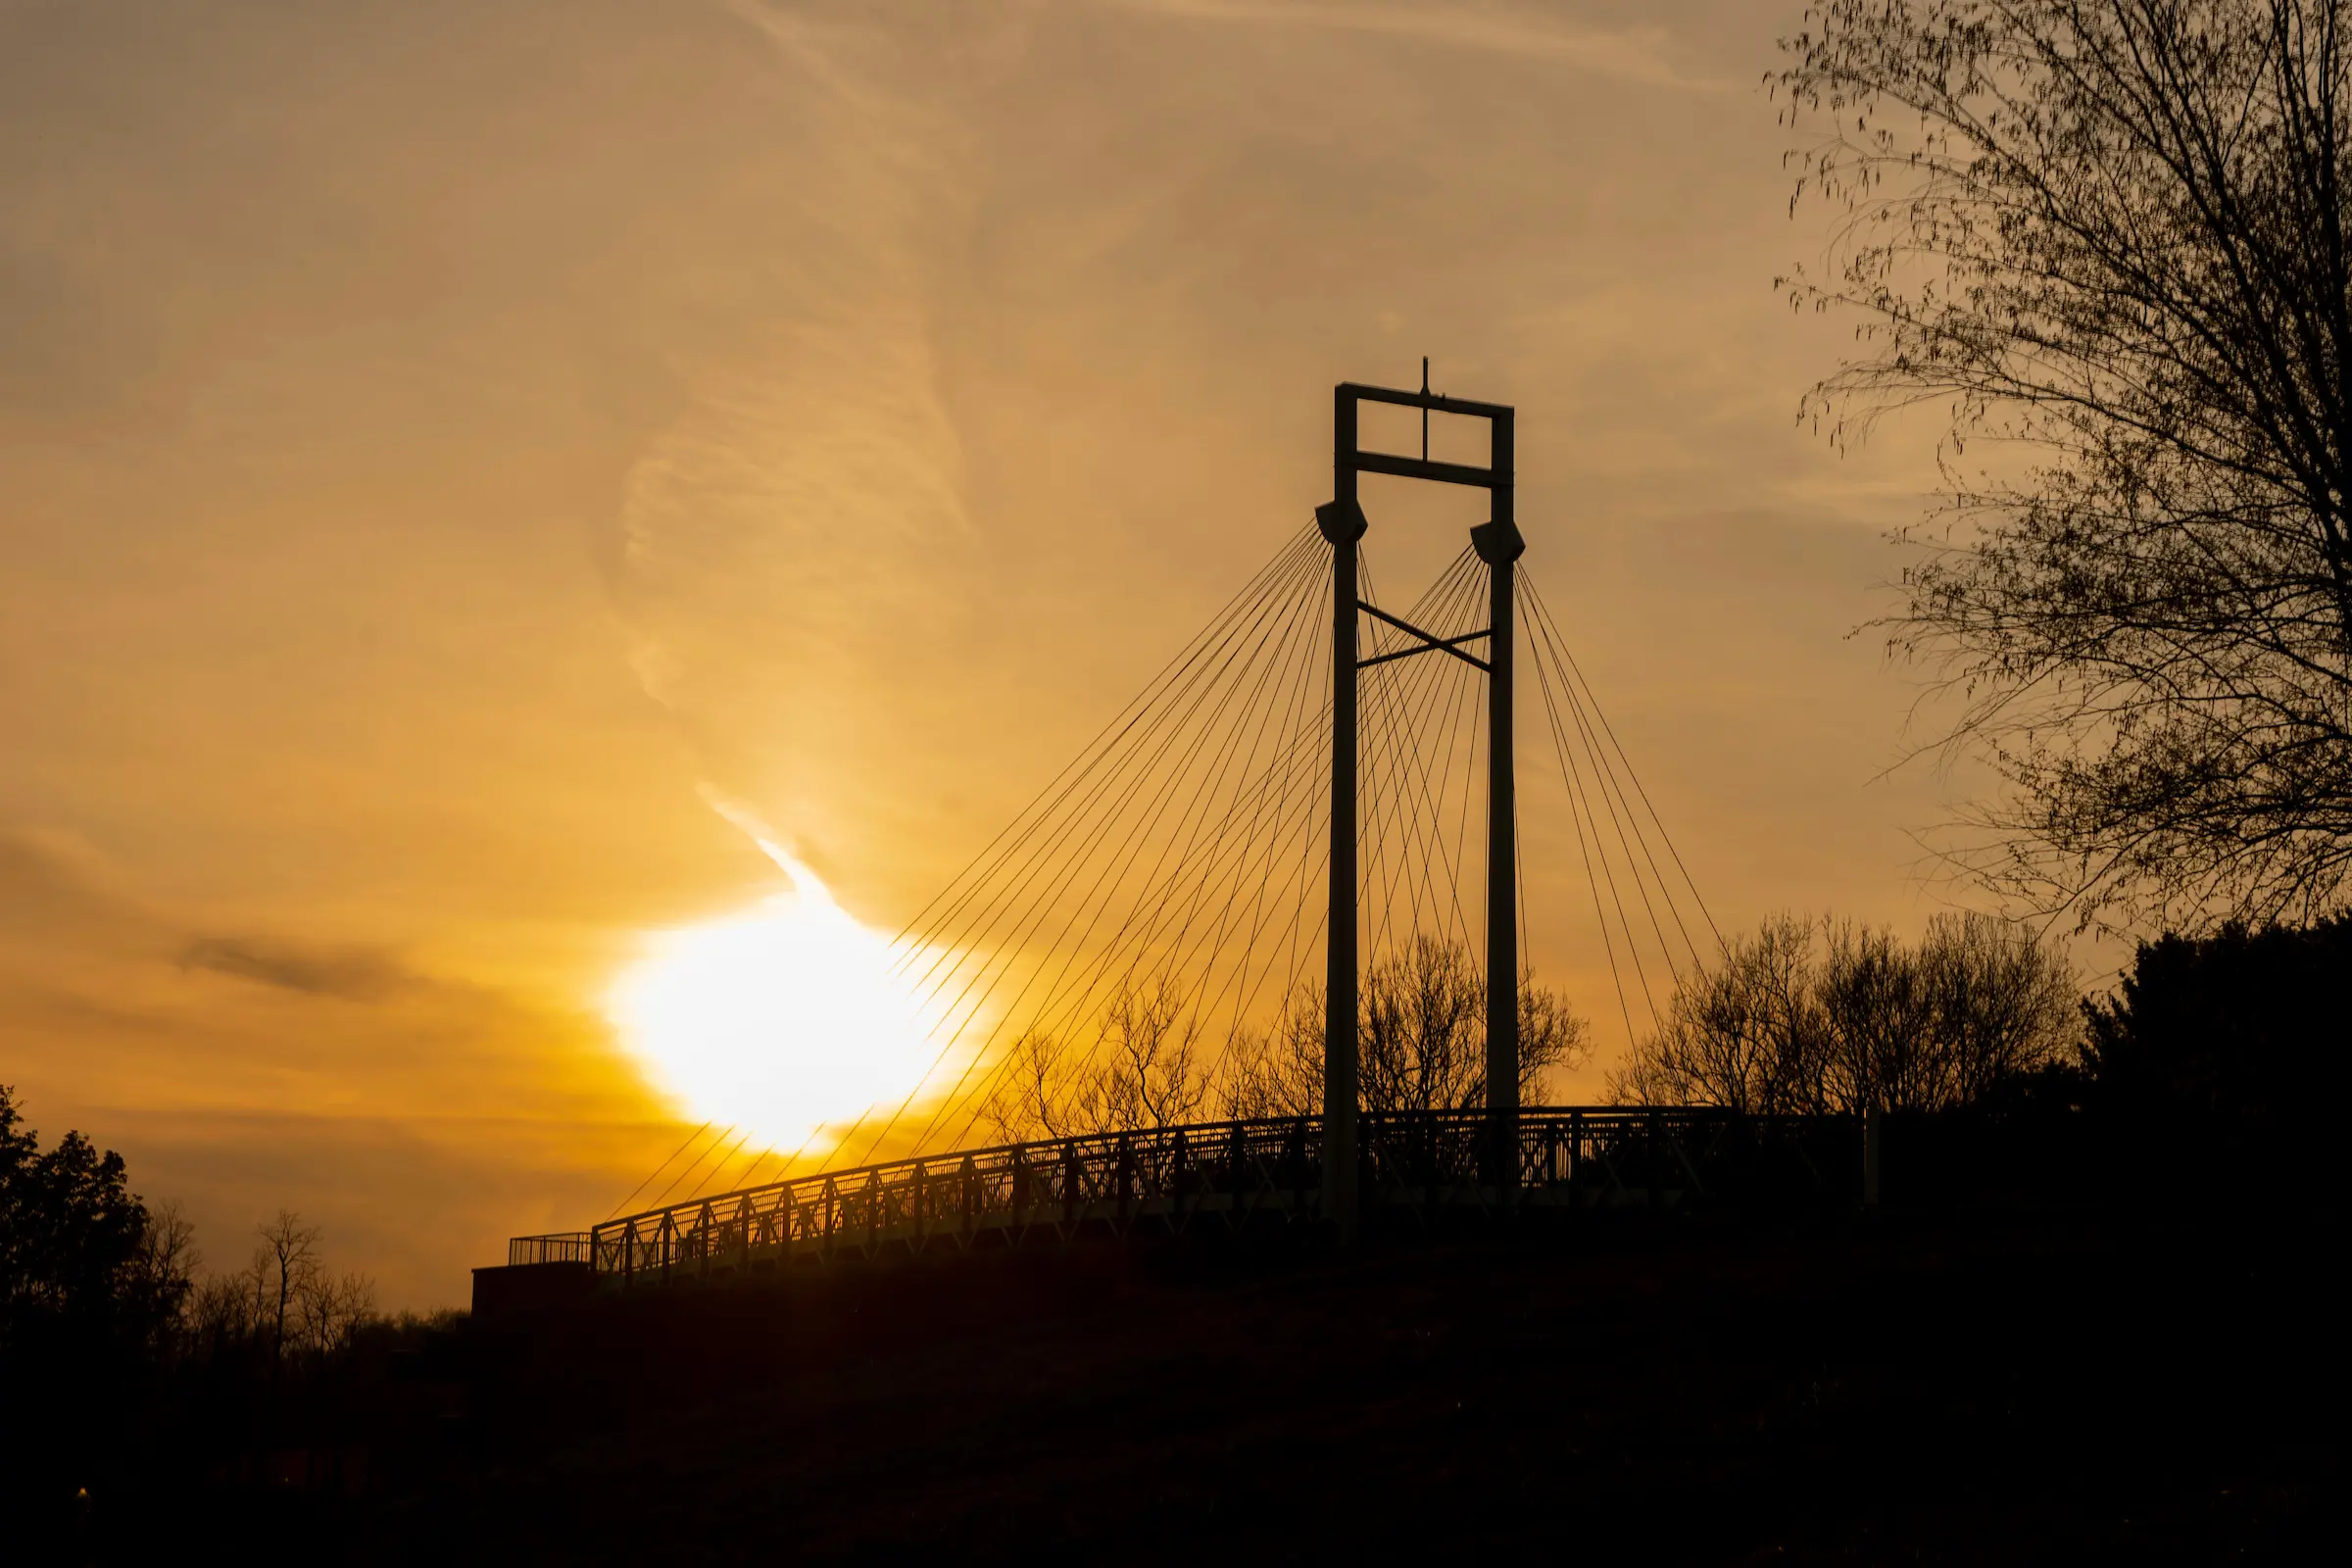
point(1636, 54)
point(57, 885)
point(800, 512)
point(349, 974)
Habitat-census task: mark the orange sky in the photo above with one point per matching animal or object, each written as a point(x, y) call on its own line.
point(442, 443)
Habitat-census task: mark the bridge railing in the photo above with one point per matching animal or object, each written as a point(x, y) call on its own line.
point(563, 1247)
point(1272, 1163)
point(1251, 1171)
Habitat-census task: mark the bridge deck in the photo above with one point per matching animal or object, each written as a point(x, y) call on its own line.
point(1221, 1174)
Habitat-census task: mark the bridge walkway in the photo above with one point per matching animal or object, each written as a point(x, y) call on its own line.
point(1233, 1175)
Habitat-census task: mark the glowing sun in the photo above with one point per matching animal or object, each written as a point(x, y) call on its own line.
point(788, 1020)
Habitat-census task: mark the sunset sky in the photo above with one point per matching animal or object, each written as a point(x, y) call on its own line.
point(448, 451)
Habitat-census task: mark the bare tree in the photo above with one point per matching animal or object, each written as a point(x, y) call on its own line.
point(2004, 1003)
point(1817, 1016)
point(1043, 1090)
point(1145, 1071)
point(2110, 236)
point(1279, 1073)
point(1422, 1030)
point(1748, 1034)
point(1552, 1039)
point(1156, 1075)
point(162, 1273)
point(331, 1312)
point(286, 1269)
point(1421, 1027)
point(1876, 1046)
point(283, 1301)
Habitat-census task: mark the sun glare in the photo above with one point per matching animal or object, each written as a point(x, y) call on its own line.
point(786, 1020)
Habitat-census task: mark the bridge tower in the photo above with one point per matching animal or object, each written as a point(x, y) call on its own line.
point(1499, 545)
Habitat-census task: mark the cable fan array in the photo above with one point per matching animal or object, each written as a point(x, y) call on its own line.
point(1602, 791)
point(1178, 862)
point(1182, 863)
point(1176, 857)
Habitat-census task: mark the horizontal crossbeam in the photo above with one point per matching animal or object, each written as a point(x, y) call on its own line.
point(1493, 478)
point(1430, 469)
point(1435, 402)
point(1443, 645)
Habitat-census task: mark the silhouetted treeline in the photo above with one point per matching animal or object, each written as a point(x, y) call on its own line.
point(2214, 1071)
point(149, 1376)
point(91, 1284)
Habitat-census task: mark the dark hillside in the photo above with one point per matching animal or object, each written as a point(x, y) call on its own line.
point(1987, 1389)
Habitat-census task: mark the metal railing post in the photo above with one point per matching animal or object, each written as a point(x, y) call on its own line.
point(1650, 1156)
point(1576, 1151)
point(1124, 1158)
point(923, 1226)
point(1237, 1165)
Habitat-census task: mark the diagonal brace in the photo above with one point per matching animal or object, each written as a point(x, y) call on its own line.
point(1448, 645)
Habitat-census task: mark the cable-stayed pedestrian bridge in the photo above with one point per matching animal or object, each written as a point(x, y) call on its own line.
point(1272, 919)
